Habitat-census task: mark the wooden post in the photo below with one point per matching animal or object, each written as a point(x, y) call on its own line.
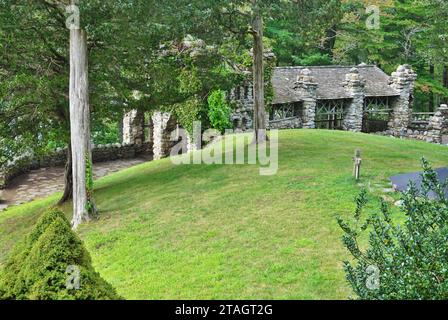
point(79, 123)
point(357, 165)
point(258, 75)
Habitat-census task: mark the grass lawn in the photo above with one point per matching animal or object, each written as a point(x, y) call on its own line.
point(225, 232)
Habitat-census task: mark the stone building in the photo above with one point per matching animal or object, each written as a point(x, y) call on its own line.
point(358, 99)
point(361, 98)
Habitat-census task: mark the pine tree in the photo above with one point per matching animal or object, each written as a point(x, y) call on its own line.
point(41, 266)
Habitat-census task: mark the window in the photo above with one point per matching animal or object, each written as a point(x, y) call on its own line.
point(285, 111)
point(378, 108)
point(330, 114)
point(377, 114)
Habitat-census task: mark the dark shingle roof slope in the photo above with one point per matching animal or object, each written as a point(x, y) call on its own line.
point(330, 80)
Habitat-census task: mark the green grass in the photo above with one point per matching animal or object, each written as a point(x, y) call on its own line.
point(225, 232)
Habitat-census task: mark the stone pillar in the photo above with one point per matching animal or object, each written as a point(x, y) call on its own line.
point(149, 139)
point(164, 123)
point(403, 82)
point(438, 125)
point(133, 128)
point(355, 85)
point(308, 90)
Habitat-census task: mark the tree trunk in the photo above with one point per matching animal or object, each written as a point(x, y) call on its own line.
point(68, 178)
point(258, 74)
point(431, 94)
point(445, 82)
point(80, 124)
point(330, 41)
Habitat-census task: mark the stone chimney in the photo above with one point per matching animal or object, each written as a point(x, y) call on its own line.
point(355, 85)
point(307, 89)
point(403, 81)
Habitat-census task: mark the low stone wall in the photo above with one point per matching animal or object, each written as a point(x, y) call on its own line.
point(423, 135)
point(435, 130)
point(58, 158)
point(14, 168)
point(291, 123)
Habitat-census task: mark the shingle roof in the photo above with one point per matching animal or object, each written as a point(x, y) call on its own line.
point(330, 80)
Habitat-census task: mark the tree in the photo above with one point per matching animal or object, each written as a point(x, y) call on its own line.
point(258, 75)
point(219, 111)
point(34, 71)
point(306, 32)
point(233, 21)
point(125, 57)
point(410, 32)
point(33, 74)
point(83, 205)
point(237, 19)
point(401, 262)
point(51, 263)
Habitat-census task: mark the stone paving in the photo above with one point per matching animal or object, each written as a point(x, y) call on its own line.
point(46, 181)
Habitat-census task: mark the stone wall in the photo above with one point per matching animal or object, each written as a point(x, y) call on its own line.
point(292, 123)
point(438, 126)
point(436, 131)
point(16, 167)
point(58, 158)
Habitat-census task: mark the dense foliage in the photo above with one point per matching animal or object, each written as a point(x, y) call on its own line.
point(408, 261)
point(409, 32)
point(39, 267)
point(219, 111)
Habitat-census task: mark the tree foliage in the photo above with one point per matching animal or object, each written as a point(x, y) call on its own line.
point(219, 111)
point(409, 32)
point(408, 261)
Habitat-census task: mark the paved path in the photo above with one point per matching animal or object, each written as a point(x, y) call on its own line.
point(46, 181)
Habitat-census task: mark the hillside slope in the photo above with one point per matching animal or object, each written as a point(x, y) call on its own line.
point(225, 232)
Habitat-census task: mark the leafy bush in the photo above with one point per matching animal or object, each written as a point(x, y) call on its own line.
point(188, 112)
point(47, 263)
point(219, 111)
point(402, 262)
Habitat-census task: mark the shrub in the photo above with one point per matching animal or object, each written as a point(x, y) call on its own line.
point(402, 262)
point(41, 265)
point(21, 251)
point(219, 111)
